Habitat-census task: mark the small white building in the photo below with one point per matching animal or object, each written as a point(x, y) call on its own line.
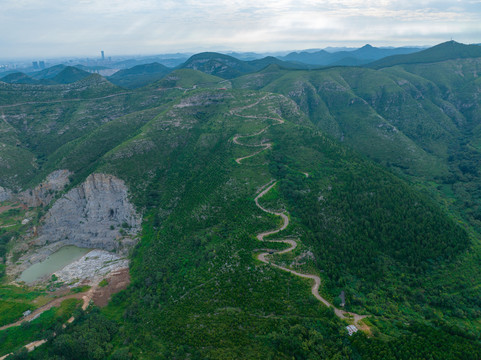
point(26, 313)
point(351, 329)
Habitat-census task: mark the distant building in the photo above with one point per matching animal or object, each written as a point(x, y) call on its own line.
point(41, 64)
point(103, 55)
point(26, 313)
point(35, 64)
point(351, 329)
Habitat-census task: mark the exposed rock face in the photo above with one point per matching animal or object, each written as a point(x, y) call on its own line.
point(91, 268)
point(96, 214)
point(44, 193)
point(5, 194)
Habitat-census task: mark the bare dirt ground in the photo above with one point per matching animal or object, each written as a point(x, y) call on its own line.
point(117, 281)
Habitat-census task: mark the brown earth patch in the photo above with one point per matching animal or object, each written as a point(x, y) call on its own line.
point(117, 281)
point(12, 206)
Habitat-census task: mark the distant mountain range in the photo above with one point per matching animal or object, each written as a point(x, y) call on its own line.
point(361, 56)
point(58, 74)
point(230, 67)
point(446, 51)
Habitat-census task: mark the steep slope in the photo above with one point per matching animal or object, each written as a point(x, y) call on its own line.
point(62, 114)
point(445, 51)
point(198, 290)
point(431, 109)
point(335, 103)
point(139, 75)
point(222, 184)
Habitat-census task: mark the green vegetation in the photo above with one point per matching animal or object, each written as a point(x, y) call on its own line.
point(14, 301)
point(390, 209)
point(139, 75)
point(80, 289)
point(43, 327)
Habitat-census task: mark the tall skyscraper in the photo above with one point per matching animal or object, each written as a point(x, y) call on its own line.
point(103, 55)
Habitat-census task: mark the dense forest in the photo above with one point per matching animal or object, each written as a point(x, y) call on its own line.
point(376, 169)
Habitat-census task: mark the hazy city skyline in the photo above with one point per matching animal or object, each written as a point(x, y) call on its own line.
point(46, 28)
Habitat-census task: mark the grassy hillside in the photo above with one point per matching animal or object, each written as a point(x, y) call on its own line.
point(403, 248)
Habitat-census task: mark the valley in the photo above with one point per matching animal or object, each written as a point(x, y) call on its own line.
point(240, 211)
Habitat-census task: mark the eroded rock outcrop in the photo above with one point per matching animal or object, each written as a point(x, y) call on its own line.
point(45, 192)
point(5, 194)
point(96, 214)
point(92, 268)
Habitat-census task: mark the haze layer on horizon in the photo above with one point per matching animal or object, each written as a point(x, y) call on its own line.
point(47, 28)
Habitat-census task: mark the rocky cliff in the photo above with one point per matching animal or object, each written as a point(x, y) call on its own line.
point(45, 192)
point(96, 214)
point(5, 194)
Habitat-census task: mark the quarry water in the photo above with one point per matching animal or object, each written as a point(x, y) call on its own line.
point(56, 261)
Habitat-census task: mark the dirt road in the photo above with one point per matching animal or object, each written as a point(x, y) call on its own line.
point(356, 318)
point(86, 297)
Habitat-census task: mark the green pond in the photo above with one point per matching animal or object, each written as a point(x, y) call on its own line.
point(56, 261)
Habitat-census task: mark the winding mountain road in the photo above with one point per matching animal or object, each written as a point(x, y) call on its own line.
point(285, 223)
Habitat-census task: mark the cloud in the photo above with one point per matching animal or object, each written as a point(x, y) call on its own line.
point(67, 27)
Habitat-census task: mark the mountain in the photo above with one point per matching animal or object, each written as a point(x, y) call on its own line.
point(69, 75)
point(91, 68)
point(58, 74)
point(169, 60)
point(217, 64)
point(320, 57)
point(228, 67)
point(445, 51)
point(139, 75)
point(48, 72)
point(19, 78)
point(416, 119)
point(188, 79)
point(260, 64)
point(356, 57)
point(252, 192)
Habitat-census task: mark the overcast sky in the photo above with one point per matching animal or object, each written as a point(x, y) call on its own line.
point(47, 28)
